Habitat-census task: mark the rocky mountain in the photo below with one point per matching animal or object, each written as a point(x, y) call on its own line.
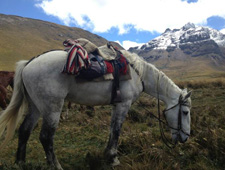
point(24, 38)
point(190, 50)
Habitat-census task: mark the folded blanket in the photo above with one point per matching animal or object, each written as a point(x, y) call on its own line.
point(77, 60)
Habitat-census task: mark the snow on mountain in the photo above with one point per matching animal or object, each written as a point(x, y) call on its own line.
point(188, 34)
point(190, 50)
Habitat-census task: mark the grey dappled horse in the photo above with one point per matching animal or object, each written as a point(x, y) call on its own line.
point(42, 86)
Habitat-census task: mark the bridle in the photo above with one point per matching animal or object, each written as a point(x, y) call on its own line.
point(181, 102)
point(179, 128)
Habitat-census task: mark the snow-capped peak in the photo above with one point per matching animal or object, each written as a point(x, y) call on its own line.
point(188, 26)
point(189, 33)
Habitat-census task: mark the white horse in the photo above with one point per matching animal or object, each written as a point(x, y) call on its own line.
point(40, 84)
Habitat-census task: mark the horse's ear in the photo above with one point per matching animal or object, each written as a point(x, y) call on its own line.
point(188, 95)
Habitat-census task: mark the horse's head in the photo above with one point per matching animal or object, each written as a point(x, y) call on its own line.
point(178, 117)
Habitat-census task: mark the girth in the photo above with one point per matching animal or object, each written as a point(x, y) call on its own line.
point(115, 95)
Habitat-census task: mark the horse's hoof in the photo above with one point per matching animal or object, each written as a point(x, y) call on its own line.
point(115, 162)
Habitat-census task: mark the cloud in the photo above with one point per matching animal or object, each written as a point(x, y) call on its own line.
point(223, 31)
point(127, 44)
point(149, 15)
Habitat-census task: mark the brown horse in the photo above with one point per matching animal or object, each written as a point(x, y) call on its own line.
point(6, 79)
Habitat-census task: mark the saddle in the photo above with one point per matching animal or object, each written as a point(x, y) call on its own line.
point(105, 61)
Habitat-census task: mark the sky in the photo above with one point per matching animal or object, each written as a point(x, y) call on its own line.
point(129, 22)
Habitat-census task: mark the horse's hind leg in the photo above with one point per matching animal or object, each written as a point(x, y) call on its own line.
point(50, 123)
point(25, 130)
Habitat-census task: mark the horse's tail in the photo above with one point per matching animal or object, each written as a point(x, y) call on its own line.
point(14, 112)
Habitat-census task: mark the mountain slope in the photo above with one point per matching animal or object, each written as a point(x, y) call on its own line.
point(186, 52)
point(23, 38)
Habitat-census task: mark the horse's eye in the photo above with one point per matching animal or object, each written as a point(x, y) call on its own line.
point(185, 112)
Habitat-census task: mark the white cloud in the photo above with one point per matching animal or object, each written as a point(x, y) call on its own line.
point(223, 31)
point(127, 44)
point(149, 15)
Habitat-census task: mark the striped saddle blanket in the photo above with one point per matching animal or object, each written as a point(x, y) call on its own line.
point(77, 59)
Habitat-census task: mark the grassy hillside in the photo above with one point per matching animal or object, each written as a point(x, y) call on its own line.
point(81, 139)
point(23, 38)
point(181, 66)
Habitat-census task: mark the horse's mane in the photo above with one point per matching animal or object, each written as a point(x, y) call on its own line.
point(136, 61)
point(139, 64)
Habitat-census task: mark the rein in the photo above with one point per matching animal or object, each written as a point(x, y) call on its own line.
point(166, 141)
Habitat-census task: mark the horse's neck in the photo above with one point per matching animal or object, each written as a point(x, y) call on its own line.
point(160, 86)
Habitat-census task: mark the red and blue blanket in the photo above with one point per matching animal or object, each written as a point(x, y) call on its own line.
point(122, 63)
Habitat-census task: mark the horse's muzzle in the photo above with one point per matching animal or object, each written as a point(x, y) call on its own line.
point(183, 140)
point(179, 137)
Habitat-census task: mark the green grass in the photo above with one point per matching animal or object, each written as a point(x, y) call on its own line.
point(80, 140)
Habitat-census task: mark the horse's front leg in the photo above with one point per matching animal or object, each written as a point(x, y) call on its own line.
point(118, 116)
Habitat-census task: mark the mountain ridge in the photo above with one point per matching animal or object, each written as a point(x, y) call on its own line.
point(189, 33)
point(190, 50)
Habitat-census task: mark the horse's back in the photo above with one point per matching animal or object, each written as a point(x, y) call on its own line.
point(49, 60)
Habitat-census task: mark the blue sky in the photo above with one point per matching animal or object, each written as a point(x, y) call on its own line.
point(128, 21)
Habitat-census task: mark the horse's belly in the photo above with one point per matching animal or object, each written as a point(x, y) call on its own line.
point(91, 93)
